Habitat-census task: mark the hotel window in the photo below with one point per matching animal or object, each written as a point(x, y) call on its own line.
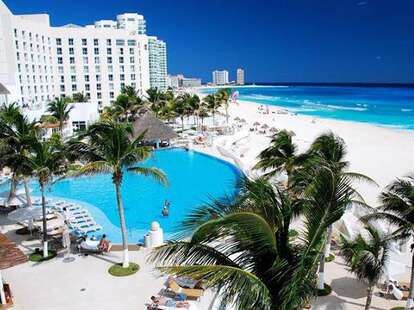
point(121, 60)
point(120, 42)
point(18, 56)
point(43, 39)
point(85, 69)
point(86, 77)
point(72, 60)
point(30, 36)
point(109, 51)
point(110, 77)
point(74, 88)
point(85, 60)
point(95, 42)
point(110, 69)
point(73, 78)
point(122, 68)
point(109, 60)
point(84, 41)
point(99, 95)
point(37, 38)
point(98, 78)
point(58, 41)
point(132, 77)
point(48, 40)
point(132, 68)
point(96, 51)
point(19, 68)
point(60, 60)
point(109, 42)
point(84, 51)
point(97, 69)
point(132, 60)
point(71, 51)
point(122, 85)
point(15, 32)
point(87, 87)
point(97, 60)
point(72, 69)
point(131, 51)
point(88, 95)
point(60, 69)
point(98, 86)
point(62, 88)
point(121, 51)
point(122, 77)
point(111, 95)
point(70, 41)
point(111, 86)
point(132, 42)
point(62, 79)
point(79, 126)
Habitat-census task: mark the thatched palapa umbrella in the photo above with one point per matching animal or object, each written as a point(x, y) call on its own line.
point(155, 128)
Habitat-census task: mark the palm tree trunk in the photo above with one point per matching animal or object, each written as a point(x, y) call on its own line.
point(328, 241)
point(227, 114)
point(410, 303)
point(125, 262)
point(321, 276)
point(45, 249)
point(369, 296)
point(27, 192)
point(182, 124)
point(13, 187)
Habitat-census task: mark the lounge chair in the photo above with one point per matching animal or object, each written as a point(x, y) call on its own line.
point(191, 293)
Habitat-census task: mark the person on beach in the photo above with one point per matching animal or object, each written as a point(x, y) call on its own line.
point(103, 244)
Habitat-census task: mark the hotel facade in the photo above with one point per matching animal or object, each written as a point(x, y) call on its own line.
point(39, 62)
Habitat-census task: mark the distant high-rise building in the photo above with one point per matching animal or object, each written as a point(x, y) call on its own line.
point(240, 77)
point(132, 22)
point(157, 50)
point(220, 77)
point(180, 81)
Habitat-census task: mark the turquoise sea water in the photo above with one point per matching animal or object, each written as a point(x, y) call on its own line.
point(386, 106)
point(194, 179)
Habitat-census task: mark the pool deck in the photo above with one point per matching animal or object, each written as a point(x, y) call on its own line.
point(83, 283)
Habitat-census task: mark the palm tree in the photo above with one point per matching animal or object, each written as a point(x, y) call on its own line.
point(125, 108)
point(258, 266)
point(155, 100)
point(46, 160)
point(181, 109)
point(223, 96)
point(281, 156)
point(17, 135)
point(107, 147)
point(212, 104)
point(60, 109)
point(367, 257)
point(79, 97)
point(202, 112)
point(329, 149)
point(397, 208)
point(194, 104)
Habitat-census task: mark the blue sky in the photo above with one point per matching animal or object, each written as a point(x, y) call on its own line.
point(285, 41)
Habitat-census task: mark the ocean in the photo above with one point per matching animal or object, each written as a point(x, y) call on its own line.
point(384, 106)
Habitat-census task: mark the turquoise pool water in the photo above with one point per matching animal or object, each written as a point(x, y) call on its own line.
point(194, 179)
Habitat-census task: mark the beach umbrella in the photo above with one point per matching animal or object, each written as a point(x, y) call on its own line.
point(242, 120)
point(265, 126)
point(255, 124)
point(273, 129)
point(16, 201)
point(237, 119)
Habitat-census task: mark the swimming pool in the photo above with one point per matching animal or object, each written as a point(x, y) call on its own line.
point(194, 178)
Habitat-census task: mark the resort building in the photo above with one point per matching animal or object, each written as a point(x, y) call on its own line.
point(220, 77)
point(240, 76)
point(157, 63)
point(39, 62)
point(180, 81)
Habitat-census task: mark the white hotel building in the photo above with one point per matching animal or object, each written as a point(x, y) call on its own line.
point(39, 62)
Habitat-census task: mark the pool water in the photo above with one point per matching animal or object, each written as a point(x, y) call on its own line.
point(194, 179)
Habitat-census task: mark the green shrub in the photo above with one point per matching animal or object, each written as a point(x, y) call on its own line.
point(330, 258)
point(37, 256)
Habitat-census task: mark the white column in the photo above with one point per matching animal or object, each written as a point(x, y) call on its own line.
point(2, 296)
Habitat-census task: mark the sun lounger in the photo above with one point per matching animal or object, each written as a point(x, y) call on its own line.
point(191, 293)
